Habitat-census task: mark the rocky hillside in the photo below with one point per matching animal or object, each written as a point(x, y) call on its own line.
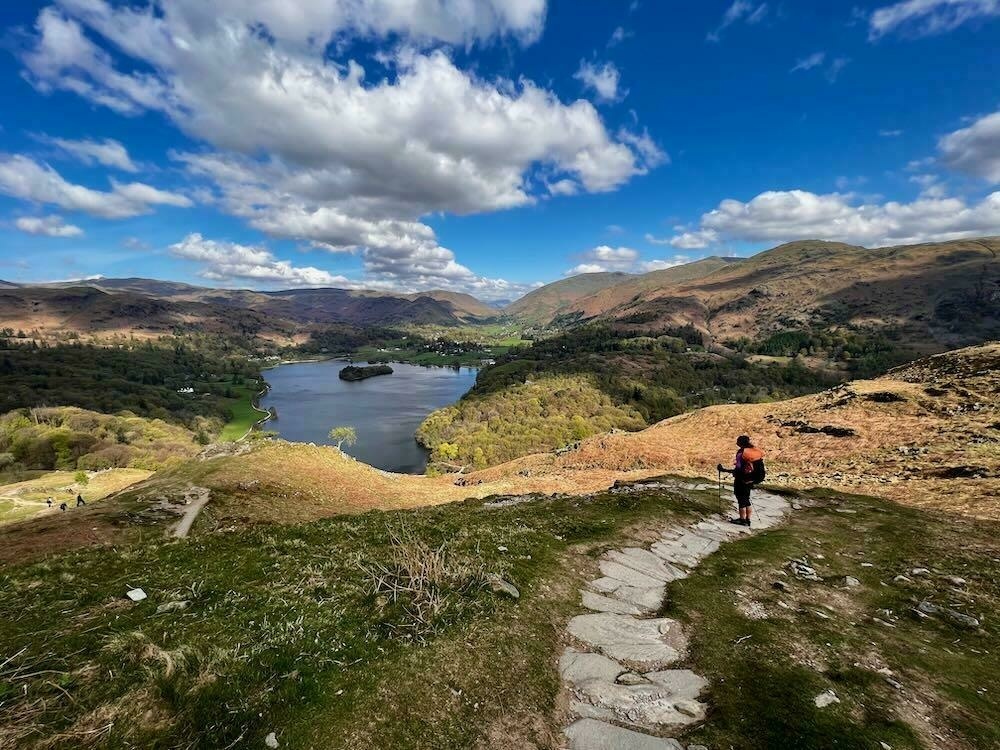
point(937, 295)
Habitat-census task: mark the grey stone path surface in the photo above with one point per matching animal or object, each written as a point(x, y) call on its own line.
point(624, 693)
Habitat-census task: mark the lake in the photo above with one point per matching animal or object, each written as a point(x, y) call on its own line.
point(385, 410)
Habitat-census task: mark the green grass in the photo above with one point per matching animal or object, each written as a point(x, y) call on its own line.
point(766, 672)
point(285, 631)
point(243, 415)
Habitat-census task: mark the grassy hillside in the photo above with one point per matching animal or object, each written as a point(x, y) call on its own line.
point(482, 430)
point(382, 630)
point(309, 631)
point(24, 499)
point(540, 306)
point(932, 297)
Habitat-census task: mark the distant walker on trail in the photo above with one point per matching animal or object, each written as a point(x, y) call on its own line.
point(79, 501)
point(748, 470)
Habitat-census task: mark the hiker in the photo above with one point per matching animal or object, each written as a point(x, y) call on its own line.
point(49, 502)
point(62, 506)
point(79, 501)
point(748, 470)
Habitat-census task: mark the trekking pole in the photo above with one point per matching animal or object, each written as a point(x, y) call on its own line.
point(722, 508)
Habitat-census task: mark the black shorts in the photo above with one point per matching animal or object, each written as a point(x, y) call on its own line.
point(742, 492)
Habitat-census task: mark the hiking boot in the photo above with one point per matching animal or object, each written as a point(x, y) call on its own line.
point(746, 522)
point(737, 521)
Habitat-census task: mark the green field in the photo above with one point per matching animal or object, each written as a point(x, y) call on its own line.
point(243, 415)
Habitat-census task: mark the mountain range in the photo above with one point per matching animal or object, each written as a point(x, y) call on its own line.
point(942, 294)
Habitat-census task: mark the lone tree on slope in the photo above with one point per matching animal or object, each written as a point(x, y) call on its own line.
point(344, 435)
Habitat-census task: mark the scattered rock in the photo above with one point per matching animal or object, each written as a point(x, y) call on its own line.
point(136, 595)
point(826, 698)
point(780, 585)
point(271, 741)
point(959, 618)
point(175, 606)
point(499, 585)
point(955, 581)
point(689, 708)
point(803, 570)
point(630, 678)
point(851, 582)
point(901, 579)
point(920, 572)
point(697, 747)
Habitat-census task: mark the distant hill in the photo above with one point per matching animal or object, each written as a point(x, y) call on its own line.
point(159, 307)
point(934, 295)
point(461, 304)
point(544, 304)
point(634, 289)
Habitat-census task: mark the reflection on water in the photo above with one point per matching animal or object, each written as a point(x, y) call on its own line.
point(385, 410)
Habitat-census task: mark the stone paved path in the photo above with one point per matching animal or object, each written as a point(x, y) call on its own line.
point(623, 693)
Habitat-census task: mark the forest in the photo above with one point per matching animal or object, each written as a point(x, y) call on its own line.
point(175, 381)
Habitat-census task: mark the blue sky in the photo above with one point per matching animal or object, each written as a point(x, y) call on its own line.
point(483, 146)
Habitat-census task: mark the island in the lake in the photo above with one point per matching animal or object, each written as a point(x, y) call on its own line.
point(353, 373)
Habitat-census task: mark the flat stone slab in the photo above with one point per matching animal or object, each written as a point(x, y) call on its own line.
point(580, 666)
point(682, 683)
point(629, 576)
point(651, 644)
point(601, 603)
point(605, 585)
point(590, 734)
point(646, 704)
point(648, 599)
point(646, 563)
point(622, 677)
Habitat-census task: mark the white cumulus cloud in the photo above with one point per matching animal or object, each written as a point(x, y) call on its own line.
point(687, 240)
point(304, 143)
point(605, 258)
point(21, 177)
point(975, 150)
point(782, 216)
point(230, 261)
point(48, 226)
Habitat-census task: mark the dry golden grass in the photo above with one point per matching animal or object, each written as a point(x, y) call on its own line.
point(24, 499)
point(926, 435)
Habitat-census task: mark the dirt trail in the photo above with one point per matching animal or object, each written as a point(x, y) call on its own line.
point(196, 499)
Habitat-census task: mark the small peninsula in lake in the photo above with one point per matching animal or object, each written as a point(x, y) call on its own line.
point(353, 373)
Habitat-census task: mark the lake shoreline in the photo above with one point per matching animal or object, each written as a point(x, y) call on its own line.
point(386, 411)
